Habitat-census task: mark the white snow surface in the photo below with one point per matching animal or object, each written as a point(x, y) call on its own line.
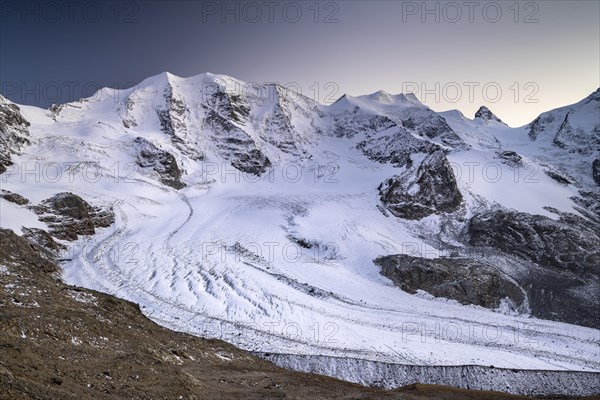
point(220, 258)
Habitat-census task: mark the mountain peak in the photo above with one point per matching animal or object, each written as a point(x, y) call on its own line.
point(382, 97)
point(343, 99)
point(409, 98)
point(486, 114)
point(595, 95)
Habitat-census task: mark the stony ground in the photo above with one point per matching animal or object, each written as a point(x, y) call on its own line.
point(63, 342)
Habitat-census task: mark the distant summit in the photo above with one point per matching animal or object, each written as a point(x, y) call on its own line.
point(486, 114)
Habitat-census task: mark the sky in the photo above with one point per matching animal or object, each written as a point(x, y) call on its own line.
point(517, 58)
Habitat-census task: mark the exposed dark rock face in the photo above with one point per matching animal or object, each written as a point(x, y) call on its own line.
point(254, 162)
point(562, 296)
point(279, 131)
point(394, 137)
point(230, 106)
point(432, 189)
point(569, 128)
point(353, 122)
point(222, 112)
point(559, 177)
point(160, 161)
point(596, 171)
point(278, 127)
point(540, 125)
point(16, 250)
point(385, 141)
point(486, 114)
point(173, 121)
point(43, 239)
point(561, 257)
point(577, 140)
point(588, 204)
point(129, 121)
point(427, 123)
point(553, 264)
point(14, 132)
point(395, 146)
point(511, 159)
point(172, 117)
point(568, 244)
point(235, 145)
point(13, 197)
point(55, 110)
point(69, 216)
point(461, 279)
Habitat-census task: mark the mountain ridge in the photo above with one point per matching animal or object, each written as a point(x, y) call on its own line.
point(209, 186)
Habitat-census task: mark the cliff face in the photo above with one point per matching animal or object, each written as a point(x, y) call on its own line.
point(14, 134)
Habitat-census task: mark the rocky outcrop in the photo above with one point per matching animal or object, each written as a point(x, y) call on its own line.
point(560, 260)
point(280, 126)
point(567, 244)
point(562, 296)
point(395, 146)
point(559, 176)
point(431, 189)
point(466, 281)
point(16, 250)
point(486, 115)
point(69, 216)
point(588, 205)
point(160, 161)
point(542, 266)
point(354, 121)
point(172, 116)
point(511, 158)
point(596, 171)
point(427, 123)
point(44, 240)
point(235, 145)
point(574, 128)
point(13, 197)
point(392, 135)
point(14, 132)
point(539, 125)
point(231, 106)
point(575, 139)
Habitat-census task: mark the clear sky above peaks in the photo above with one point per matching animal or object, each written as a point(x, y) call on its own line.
point(517, 58)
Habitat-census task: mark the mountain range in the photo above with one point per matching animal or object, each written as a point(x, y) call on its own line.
point(372, 229)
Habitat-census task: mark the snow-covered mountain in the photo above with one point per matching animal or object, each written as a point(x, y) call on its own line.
point(373, 228)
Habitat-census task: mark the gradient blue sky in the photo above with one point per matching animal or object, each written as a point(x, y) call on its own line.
point(550, 49)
